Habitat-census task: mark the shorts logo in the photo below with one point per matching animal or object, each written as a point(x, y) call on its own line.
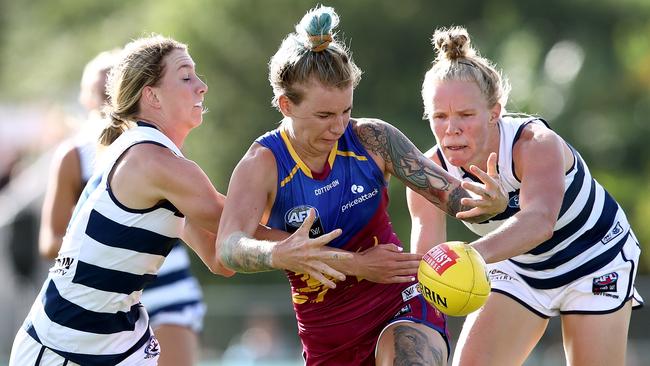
point(297, 215)
point(441, 258)
point(403, 311)
point(356, 189)
point(613, 233)
point(410, 292)
point(497, 275)
point(514, 201)
point(605, 283)
point(153, 348)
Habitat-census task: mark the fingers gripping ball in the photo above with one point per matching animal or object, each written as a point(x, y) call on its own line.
point(453, 278)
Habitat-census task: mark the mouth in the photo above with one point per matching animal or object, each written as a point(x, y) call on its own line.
point(200, 106)
point(455, 147)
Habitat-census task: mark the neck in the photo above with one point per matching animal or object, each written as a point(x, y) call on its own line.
point(177, 137)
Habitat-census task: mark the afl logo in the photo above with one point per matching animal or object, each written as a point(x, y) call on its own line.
point(356, 189)
point(297, 215)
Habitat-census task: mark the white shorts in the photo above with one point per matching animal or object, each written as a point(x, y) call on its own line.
point(189, 316)
point(27, 351)
point(603, 291)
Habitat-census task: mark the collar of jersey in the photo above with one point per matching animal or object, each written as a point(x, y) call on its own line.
point(305, 169)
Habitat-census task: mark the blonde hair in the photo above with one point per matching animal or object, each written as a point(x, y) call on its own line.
point(458, 60)
point(312, 51)
point(92, 92)
point(141, 65)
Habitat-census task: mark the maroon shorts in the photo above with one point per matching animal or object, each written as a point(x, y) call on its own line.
point(361, 350)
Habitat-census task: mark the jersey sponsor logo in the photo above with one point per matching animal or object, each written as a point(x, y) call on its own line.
point(326, 188)
point(62, 265)
point(360, 199)
point(604, 284)
point(441, 258)
point(410, 292)
point(297, 215)
point(613, 233)
point(357, 189)
point(153, 348)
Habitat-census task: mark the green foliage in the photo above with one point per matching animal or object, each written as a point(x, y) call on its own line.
point(601, 108)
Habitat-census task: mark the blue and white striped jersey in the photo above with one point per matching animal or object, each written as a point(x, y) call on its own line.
point(89, 308)
point(591, 227)
point(174, 277)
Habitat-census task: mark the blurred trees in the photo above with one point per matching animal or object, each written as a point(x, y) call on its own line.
point(583, 65)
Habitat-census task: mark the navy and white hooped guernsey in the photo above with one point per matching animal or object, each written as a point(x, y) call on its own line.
point(174, 277)
point(89, 308)
point(591, 228)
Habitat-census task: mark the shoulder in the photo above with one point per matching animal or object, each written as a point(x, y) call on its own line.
point(536, 133)
point(66, 157)
point(152, 160)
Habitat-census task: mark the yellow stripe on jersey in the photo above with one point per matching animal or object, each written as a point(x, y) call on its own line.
point(288, 178)
point(352, 155)
point(296, 158)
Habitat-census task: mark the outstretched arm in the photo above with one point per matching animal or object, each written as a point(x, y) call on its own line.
point(252, 187)
point(402, 159)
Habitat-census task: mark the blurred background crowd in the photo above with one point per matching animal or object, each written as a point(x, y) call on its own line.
point(583, 65)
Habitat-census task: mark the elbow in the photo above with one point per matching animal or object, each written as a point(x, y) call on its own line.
point(545, 226)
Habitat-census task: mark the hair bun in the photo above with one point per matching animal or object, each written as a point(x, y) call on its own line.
point(452, 43)
point(317, 26)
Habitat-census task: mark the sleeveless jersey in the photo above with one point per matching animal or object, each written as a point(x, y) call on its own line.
point(174, 277)
point(88, 310)
point(590, 230)
point(353, 197)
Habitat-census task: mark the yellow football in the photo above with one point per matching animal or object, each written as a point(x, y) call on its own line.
point(453, 278)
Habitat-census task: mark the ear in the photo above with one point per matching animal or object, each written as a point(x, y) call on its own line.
point(285, 105)
point(149, 97)
point(495, 113)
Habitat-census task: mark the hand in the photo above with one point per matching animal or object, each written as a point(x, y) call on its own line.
point(492, 198)
point(387, 263)
point(301, 254)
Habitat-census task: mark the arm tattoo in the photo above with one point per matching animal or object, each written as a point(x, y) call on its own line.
point(411, 166)
point(246, 255)
point(412, 348)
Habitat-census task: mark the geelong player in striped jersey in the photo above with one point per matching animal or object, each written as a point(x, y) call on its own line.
point(174, 299)
point(142, 197)
point(563, 247)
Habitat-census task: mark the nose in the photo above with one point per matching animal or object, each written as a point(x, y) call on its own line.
point(203, 87)
point(338, 124)
point(453, 126)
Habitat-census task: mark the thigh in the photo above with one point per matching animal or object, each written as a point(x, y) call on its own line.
point(503, 332)
point(178, 345)
point(409, 343)
point(596, 339)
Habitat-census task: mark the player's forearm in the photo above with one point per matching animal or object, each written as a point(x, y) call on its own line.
point(246, 255)
point(517, 235)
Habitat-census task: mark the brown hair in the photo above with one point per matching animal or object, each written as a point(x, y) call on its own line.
point(458, 60)
point(141, 65)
